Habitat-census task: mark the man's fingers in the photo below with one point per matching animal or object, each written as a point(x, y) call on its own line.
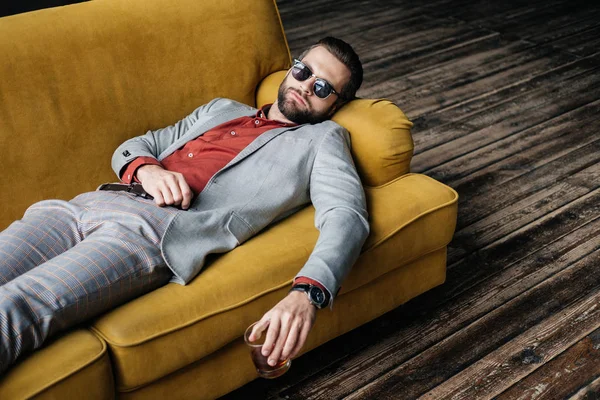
point(175, 191)
point(158, 197)
point(284, 330)
point(186, 193)
point(272, 335)
point(258, 329)
point(292, 338)
point(291, 320)
point(165, 194)
point(301, 339)
point(167, 187)
point(180, 192)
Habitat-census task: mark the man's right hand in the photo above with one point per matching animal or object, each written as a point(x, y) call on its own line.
point(168, 188)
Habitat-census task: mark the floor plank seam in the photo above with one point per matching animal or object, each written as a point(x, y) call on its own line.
point(496, 91)
point(507, 138)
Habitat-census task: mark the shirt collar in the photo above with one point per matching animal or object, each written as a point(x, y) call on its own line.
point(264, 110)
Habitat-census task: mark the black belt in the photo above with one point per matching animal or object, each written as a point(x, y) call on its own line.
point(134, 188)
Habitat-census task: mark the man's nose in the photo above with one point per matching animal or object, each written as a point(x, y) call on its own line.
point(308, 84)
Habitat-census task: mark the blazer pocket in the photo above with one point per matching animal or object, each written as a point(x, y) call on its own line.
point(239, 228)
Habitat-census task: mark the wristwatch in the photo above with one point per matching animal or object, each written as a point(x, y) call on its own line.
point(317, 296)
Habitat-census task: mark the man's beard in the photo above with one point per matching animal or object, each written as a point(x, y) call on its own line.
point(289, 108)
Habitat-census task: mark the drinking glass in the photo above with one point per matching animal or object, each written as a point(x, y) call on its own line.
point(261, 362)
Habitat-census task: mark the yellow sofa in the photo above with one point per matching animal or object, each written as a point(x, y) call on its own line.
point(79, 80)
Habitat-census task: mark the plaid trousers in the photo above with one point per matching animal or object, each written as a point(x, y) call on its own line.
point(65, 262)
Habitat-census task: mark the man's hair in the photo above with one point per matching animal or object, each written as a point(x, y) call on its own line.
point(347, 56)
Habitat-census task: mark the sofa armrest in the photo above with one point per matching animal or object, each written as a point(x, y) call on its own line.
point(74, 365)
point(410, 217)
point(266, 91)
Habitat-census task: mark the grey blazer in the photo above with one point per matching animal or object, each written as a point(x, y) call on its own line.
point(276, 175)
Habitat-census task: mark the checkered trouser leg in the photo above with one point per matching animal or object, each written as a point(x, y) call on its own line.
point(66, 262)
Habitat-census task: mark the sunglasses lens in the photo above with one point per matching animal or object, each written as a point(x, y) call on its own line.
point(300, 72)
point(321, 89)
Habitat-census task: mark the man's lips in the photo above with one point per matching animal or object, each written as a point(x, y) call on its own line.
point(298, 98)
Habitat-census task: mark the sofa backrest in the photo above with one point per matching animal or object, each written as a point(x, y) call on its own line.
point(76, 81)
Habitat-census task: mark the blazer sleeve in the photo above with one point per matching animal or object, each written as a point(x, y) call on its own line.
point(340, 212)
point(154, 142)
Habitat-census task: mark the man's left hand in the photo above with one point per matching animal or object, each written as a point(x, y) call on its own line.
point(289, 323)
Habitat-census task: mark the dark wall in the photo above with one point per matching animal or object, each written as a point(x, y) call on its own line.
point(16, 7)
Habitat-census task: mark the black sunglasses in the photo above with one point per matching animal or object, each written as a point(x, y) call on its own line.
point(321, 88)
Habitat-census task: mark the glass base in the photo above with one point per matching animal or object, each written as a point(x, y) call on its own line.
point(275, 373)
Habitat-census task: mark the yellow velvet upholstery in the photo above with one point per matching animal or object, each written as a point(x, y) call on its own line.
point(88, 76)
point(73, 366)
point(231, 367)
point(79, 80)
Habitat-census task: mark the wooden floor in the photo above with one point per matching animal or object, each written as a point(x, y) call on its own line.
point(505, 97)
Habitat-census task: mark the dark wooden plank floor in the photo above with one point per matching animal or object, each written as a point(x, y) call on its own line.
point(505, 97)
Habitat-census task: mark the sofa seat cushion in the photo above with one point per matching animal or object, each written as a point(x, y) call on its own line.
point(72, 366)
point(175, 326)
point(231, 366)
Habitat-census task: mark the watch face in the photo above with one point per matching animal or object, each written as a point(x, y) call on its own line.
point(317, 295)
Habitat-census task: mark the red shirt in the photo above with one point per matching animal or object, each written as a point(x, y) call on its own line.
point(199, 159)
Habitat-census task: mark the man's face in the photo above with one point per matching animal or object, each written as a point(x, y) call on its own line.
point(297, 101)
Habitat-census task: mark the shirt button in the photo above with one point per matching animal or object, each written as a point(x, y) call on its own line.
point(232, 133)
point(190, 155)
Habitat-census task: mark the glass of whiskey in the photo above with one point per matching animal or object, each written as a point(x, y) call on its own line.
point(261, 362)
